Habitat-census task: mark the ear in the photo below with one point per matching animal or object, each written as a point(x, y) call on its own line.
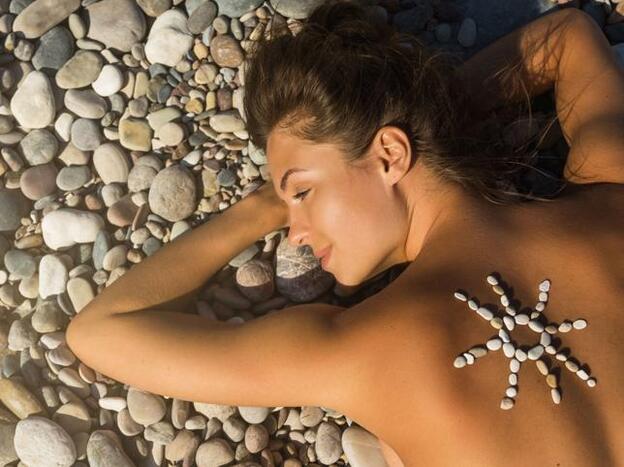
point(394, 152)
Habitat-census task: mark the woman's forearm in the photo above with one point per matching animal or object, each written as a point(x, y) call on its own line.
point(177, 271)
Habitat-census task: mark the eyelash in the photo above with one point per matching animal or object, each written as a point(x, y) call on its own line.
point(300, 196)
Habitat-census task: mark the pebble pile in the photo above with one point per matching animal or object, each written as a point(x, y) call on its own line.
point(518, 354)
point(121, 128)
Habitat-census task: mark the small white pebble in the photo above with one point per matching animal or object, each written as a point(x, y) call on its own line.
point(571, 365)
point(545, 338)
point(521, 318)
point(535, 352)
point(514, 365)
point(478, 351)
point(565, 326)
point(508, 349)
point(582, 374)
point(544, 286)
point(534, 314)
point(550, 349)
point(513, 379)
point(504, 335)
point(496, 322)
point(470, 359)
point(561, 356)
point(504, 300)
point(492, 280)
point(460, 362)
point(579, 324)
point(551, 329)
point(591, 382)
point(485, 313)
point(521, 355)
point(506, 403)
point(511, 391)
point(472, 305)
point(511, 311)
point(498, 289)
point(543, 296)
point(509, 322)
point(556, 395)
point(541, 366)
point(494, 344)
point(540, 306)
point(536, 325)
point(460, 296)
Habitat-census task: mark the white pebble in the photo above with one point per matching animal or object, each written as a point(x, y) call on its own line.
point(496, 322)
point(565, 326)
point(478, 351)
point(545, 339)
point(460, 296)
point(504, 300)
point(591, 382)
point(494, 344)
point(540, 306)
point(534, 314)
point(521, 355)
point(460, 362)
point(536, 325)
point(498, 289)
point(485, 313)
point(571, 365)
point(506, 403)
point(544, 286)
point(492, 280)
point(508, 349)
point(579, 324)
point(543, 296)
point(550, 349)
point(582, 374)
point(514, 365)
point(541, 366)
point(472, 305)
point(509, 322)
point(521, 318)
point(504, 335)
point(511, 311)
point(561, 356)
point(469, 358)
point(513, 379)
point(551, 329)
point(511, 391)
point(535, 352)
point(556, 395)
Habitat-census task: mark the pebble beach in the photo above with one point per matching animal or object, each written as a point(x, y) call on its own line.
point(122, 127)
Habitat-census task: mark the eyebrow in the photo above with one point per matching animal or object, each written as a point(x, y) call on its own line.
point(288, 173)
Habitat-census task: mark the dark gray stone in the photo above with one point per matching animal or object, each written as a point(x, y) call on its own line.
point(55, 47)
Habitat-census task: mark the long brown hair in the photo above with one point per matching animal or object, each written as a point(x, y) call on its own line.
point(343, 76)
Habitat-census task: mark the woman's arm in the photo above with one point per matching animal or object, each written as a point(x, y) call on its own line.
point(523, 62)
point(176, 272)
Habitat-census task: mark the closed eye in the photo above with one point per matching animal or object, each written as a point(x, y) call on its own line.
point(300, 196)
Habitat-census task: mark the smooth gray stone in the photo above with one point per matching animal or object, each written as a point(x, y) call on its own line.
point(118, 24)
point(55, 47)
point(237, 8)
point(297, 9)
point(13, 206)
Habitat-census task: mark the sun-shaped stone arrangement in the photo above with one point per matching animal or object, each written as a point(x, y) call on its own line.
point(505, 322)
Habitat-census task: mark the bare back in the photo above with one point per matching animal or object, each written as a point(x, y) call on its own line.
point(432, 413)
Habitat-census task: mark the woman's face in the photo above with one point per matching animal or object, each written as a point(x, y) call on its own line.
point(354, 210)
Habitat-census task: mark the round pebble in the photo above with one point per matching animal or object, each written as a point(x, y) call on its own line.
point(556, 395)
point(579, 324)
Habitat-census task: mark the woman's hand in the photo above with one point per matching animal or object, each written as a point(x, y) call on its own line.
point(271, 203)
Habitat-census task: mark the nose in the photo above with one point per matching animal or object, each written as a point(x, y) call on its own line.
point(297, 234)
